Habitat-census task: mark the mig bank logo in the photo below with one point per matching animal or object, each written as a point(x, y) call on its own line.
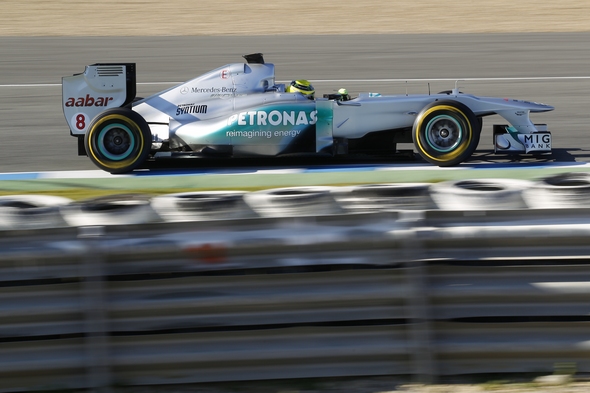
point(536, 142)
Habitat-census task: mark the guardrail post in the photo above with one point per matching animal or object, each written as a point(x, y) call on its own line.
point(97, 353)
point(423, 354)
point(420, 327)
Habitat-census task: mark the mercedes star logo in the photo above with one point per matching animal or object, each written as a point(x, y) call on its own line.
point(183, 90)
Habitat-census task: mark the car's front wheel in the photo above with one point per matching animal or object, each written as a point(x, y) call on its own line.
point(446, 133)
point(118, 140)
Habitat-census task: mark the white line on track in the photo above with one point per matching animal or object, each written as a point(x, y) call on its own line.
point(537, 78)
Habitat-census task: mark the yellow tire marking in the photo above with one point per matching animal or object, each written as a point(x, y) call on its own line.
point(451, 155)
point(111, 164)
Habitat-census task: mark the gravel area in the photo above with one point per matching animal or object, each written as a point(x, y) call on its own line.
point(247, 17)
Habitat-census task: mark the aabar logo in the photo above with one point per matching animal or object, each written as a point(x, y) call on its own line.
point(88, 101)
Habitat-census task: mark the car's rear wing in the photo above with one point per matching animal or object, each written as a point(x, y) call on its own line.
point(99, 87)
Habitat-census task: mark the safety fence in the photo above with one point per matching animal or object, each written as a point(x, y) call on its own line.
point(413, 292)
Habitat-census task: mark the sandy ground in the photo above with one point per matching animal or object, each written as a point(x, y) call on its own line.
point(263, 17)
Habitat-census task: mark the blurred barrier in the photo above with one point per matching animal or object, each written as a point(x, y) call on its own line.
point(481, 194)
point(31, 211)
point(377, 197)
point(110, 210)
point(562, 191)
point(426, 293)
point(294, 201)
point(565, 190)
point(204, 205)
point(408, 292)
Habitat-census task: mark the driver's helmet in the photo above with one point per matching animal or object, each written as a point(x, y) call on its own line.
point(302, 86)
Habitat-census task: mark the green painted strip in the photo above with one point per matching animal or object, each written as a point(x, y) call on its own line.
point(274, 180)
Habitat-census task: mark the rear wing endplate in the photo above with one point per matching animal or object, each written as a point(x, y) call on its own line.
point(99, 87)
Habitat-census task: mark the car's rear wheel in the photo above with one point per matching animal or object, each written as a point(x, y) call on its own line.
point(118, 140)
point(446, 133)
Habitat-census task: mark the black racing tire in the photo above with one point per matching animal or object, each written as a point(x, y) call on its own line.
point(118, 140)
point(446, 133)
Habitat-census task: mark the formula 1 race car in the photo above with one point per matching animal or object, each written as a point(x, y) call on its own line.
point(238, 110)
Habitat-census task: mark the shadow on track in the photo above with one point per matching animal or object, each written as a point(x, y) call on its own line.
point(481, 159)
point(246, 165)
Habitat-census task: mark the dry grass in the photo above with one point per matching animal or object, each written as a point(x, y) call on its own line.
point(232, 17)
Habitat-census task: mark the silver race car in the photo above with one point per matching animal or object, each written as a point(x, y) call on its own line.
point(238, 110)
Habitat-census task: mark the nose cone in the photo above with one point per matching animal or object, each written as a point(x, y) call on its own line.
point(533, 106)
point(542, 107)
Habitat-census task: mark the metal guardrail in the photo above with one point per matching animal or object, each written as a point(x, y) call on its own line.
point(425, 293)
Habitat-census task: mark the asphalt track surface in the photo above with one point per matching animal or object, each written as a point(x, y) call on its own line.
point(548, 67)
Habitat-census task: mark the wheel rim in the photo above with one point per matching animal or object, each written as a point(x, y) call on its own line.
point(444, 133)
point(116, 142)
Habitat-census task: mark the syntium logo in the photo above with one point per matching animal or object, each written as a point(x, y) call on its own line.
point(273, 118)
point(190, 108)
